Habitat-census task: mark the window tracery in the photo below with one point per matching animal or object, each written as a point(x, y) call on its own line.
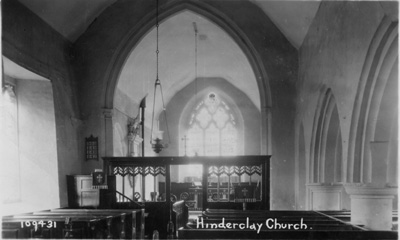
point(212, 129)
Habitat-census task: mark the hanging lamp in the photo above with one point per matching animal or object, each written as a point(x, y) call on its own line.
point(195, 56)
point(157, 139)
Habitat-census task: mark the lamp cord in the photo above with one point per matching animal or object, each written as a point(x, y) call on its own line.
point(158, 83)
point(157, 50)
point(195, 58)
point(157, 80)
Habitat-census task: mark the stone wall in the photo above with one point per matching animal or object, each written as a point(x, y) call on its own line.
point(332, 57)
point(31, 43)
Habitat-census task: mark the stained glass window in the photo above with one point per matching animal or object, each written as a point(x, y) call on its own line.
point(212, 130)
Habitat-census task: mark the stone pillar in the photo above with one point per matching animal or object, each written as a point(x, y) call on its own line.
point(133, 145)
point(325, 196)
point(371, 206)
point(108, 131)
point(266, 146)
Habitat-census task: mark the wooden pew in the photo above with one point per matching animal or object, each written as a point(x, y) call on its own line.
point(156, 219)
point(319, 226)
point(279, 234)
point(72, 223)
point(136, 218)
point(293, 221)
point(180, 215)
point(31, 226)
point(118, 223)
point(346, 217)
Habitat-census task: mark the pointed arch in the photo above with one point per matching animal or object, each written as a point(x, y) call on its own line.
point(379, 65)
point(326, 145)
point(168, 9)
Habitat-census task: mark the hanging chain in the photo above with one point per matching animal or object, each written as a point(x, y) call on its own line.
point(195, 59)
point(158, 83)
point(157, 79)
point(157, 50)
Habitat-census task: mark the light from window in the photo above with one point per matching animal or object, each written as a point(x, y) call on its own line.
point(212, 130)
point(11, 166)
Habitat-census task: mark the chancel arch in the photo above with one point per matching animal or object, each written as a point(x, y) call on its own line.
point(115, 72)
point(102, 65)
point(177, 68)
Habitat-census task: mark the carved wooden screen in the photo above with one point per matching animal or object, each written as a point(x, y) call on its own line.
point(227, 181)
point(133, 182)
point(224, 183)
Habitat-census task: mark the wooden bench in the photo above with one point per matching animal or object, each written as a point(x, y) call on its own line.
point(72, 223)
point(180, 215)
point(318, 226)
point(346, 217)
point(285, 234)
point(136, 218)
point(31, 226)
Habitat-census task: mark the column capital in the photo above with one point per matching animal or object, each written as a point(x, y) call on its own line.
point(327, 187)
point(361, 189)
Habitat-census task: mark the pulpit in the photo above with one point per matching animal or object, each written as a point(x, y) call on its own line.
point(81, 193)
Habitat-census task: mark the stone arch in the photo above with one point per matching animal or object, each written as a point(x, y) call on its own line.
point(168, 9)
point(326, 150)
point(377, 76)
point(325, 165)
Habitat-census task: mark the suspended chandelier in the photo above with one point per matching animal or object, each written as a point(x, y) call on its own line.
point(157, 139)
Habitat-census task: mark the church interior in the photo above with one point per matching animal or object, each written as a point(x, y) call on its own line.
point(241, 110)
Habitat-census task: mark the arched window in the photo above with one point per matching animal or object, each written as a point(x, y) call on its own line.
point(212, 129)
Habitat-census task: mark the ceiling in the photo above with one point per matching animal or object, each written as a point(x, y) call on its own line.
point(218, 54)
point(68, 17)
point(293, 18)
point(15, 71)
point(72, 17)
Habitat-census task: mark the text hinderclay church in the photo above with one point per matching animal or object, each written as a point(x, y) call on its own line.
point(189, 119)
